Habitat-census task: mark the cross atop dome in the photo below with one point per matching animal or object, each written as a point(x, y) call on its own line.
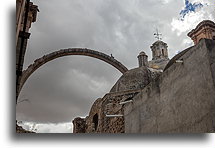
point(157, 35)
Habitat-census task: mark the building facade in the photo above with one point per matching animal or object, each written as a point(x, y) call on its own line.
point(204, 30)
point(177, 96)
point(26, 14)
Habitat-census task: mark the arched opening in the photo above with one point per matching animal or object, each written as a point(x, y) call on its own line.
point(163, 52)
point(95, 121)
point(55, 93)
point(62, 86)
point(67, 52)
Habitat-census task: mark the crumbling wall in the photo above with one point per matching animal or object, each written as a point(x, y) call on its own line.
point(106, 114)
point(97, 121)
point(79, 125)
point(182, 100)
point(111, 106)
point(91, 125)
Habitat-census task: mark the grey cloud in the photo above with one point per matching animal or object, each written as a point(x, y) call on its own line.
point(66, 87)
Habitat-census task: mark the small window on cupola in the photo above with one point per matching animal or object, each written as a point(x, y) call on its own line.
point(163, 52)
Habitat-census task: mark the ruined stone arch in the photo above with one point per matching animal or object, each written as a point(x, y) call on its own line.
point(66, 52)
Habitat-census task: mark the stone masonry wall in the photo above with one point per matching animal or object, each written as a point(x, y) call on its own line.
point(79, 125)
point(111, 106)
point(182, 100)
point(108, 105)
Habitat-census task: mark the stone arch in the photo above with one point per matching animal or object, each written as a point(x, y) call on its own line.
point(66, 52)
point(95, 121)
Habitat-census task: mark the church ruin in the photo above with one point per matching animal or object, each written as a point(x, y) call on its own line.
point(161, 95)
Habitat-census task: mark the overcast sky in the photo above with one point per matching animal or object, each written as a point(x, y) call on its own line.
point(66, 87)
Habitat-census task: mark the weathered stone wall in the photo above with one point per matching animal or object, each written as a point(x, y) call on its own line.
point(111, 106)
point(79, 125)
point(25, 14)
point(20, 15)
point(158, 64)
point(108, 105)
point(91, 125)
point(211, 52)
point(129, 85)
point(135, 79)
point(182, 100)
point(159, 50)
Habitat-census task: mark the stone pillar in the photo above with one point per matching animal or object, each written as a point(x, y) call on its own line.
point(26, 14)
point(79, 125)
point(142, 59)
point(20, 53)
point(20, 8)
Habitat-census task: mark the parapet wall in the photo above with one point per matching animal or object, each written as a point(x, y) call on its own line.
point(182, 100)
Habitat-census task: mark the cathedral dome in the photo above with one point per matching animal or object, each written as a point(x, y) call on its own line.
point(136, 78)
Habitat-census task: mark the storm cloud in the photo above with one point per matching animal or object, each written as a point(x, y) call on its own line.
point(67, 87)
